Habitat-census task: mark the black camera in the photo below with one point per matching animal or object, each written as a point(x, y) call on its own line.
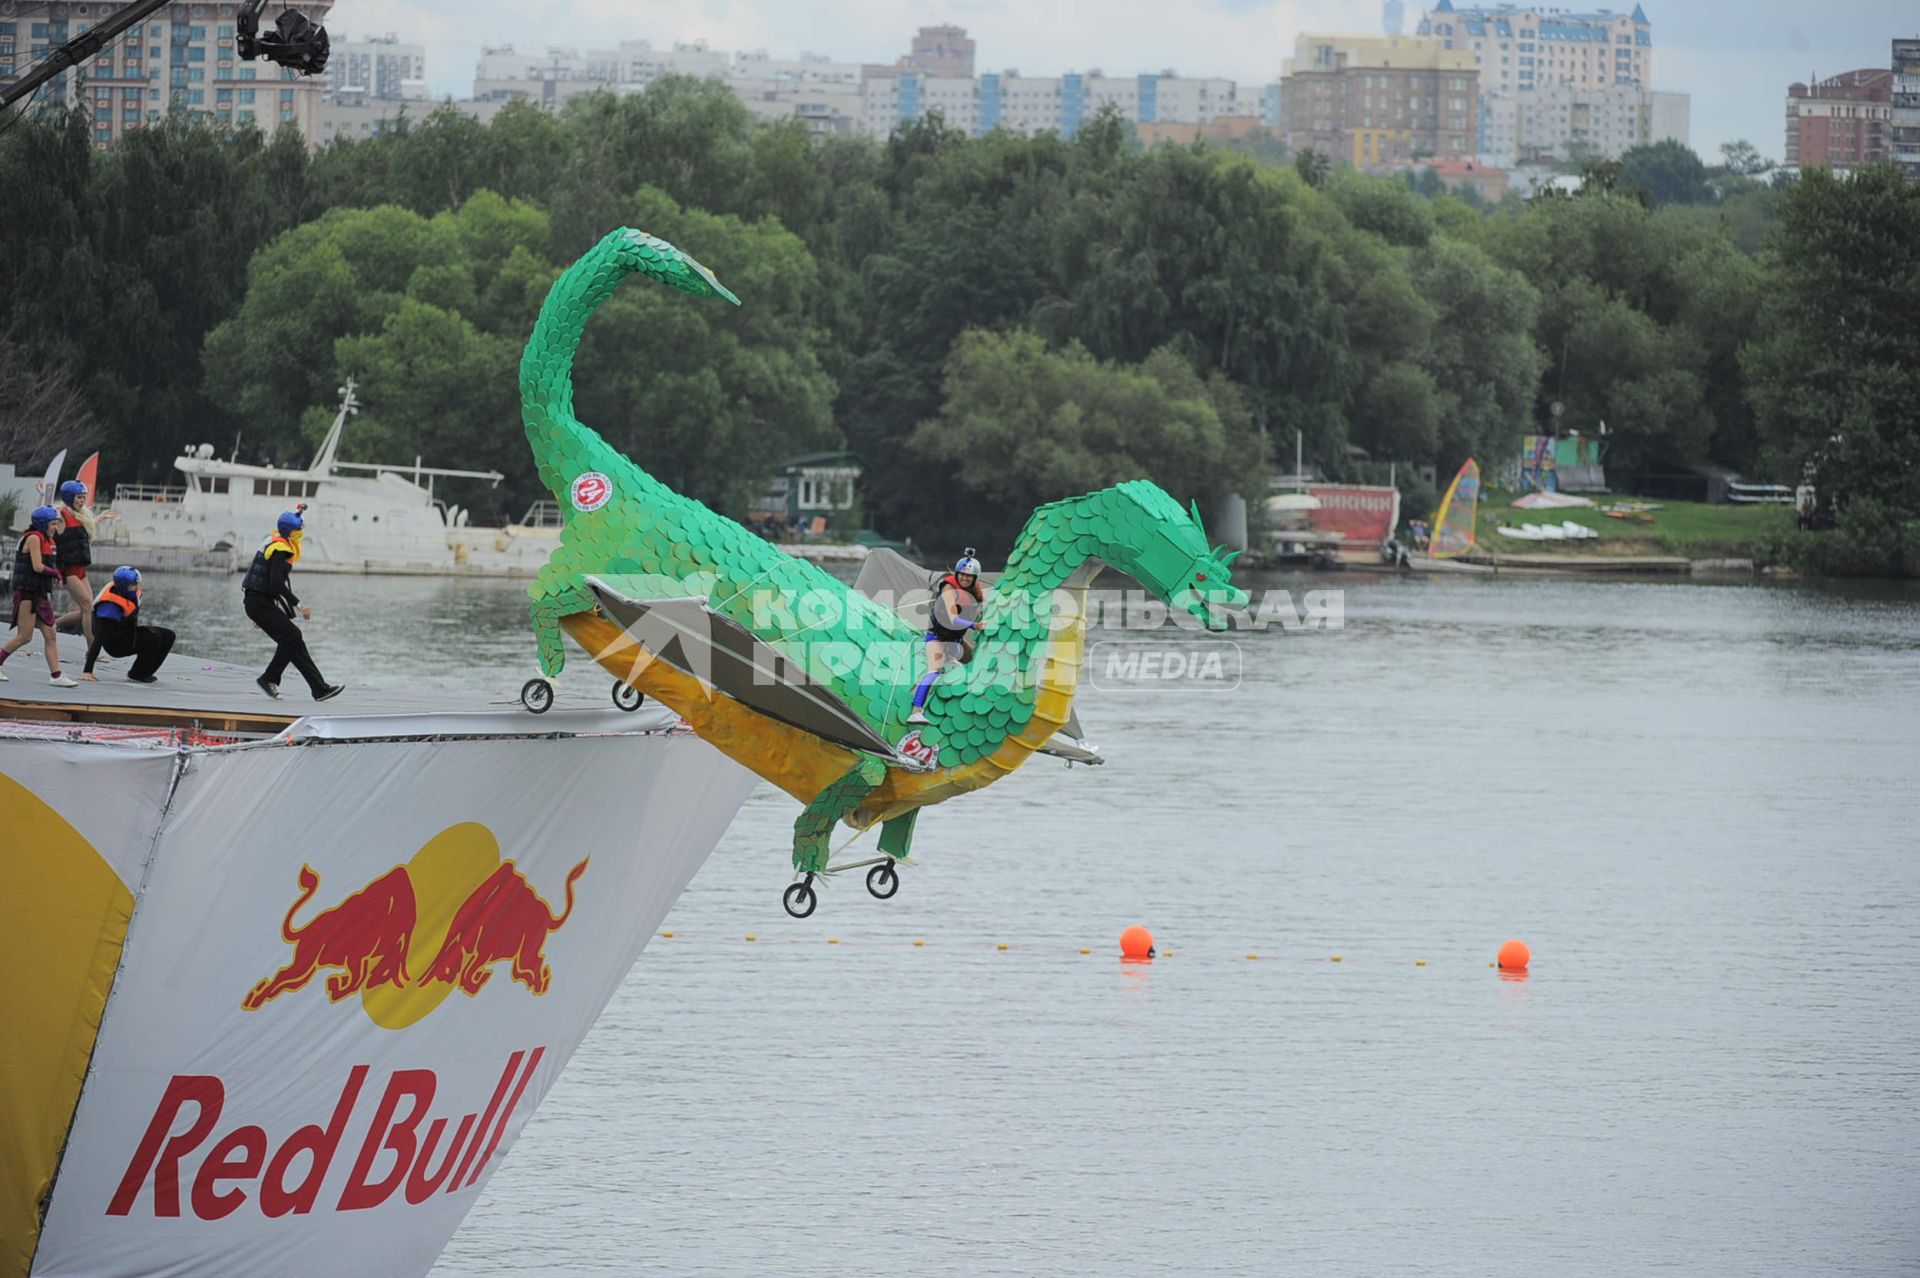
point(295, 41)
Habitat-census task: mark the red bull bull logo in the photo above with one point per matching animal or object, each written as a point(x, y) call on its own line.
point(445, 920)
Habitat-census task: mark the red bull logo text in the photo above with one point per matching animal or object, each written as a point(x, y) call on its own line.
point(406, 940)
point(399, 1154)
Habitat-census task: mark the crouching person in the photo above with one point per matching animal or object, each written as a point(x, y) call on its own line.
point(117, 629)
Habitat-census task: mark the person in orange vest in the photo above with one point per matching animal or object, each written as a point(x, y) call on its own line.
point(36, 569)
point(270, 604)
point(117, 629)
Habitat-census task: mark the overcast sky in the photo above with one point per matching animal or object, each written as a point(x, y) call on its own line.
point(1736, 57)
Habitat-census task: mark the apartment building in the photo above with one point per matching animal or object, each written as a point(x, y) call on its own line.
point(378, 69)
point(1841, 122)
point(1903, 133)
point(1380, 102)
point(182, 59)
point(1556, 82)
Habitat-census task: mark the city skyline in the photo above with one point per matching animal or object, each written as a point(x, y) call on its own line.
point(1736, 69)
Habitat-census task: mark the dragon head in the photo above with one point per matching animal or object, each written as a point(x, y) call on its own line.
point(672, 266)
point(1165, 549)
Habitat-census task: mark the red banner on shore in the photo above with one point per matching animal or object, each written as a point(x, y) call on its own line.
point(1363, 513)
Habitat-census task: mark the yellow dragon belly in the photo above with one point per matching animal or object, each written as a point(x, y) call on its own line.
point(802, 764)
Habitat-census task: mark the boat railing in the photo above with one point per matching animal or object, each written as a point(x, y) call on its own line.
point(543, 514)
point(148, 492)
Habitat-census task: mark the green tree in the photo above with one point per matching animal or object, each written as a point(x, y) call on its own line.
point(1833, 374)
point(119, 261)
point(351, 274)
point(1743, 158)
point(1480, 358)
point(1312, 166)
point(1020, 426)
point(710, 398)
point(1668, 171)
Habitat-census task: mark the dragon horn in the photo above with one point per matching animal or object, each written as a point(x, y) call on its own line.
point(1231, 555)
point(1194, 506)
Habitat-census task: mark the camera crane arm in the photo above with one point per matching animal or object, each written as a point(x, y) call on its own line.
point(295, 42)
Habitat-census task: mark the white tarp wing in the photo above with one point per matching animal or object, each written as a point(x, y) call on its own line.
point(651, 716)
point(77, 823)
point(355, 970)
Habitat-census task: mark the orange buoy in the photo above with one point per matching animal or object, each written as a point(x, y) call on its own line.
point(1136, 943)
point(1514, 956)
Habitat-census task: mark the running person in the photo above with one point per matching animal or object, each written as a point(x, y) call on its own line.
point(949, 620)
point(270, 604)
point(36, 567)
point(76, 555)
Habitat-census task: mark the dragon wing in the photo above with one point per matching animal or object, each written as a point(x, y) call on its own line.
point(727, 657)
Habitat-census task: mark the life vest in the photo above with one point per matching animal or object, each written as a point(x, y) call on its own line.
point(256, 578)
point(111, 595)
point(944, 633)
point(76, 545)
point(25, 579)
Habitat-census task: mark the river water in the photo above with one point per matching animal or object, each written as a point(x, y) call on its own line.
point(1696, 803)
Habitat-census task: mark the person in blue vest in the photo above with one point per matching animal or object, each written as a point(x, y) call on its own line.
point(117, 629)
point(270, 604)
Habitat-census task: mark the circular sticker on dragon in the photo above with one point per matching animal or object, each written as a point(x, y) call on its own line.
point(592, 491)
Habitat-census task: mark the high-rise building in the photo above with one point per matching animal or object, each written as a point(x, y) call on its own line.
point(1554, 82)
point(1380, 102)
point(1519, 49)
point(380, 69)
point(1903, 135)
point(1841, 122)
point(181, 59)
point(944, 52)
point(842, 97)
point(1393, 17)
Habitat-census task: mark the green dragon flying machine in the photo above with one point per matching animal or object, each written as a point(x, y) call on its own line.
point(786, 669)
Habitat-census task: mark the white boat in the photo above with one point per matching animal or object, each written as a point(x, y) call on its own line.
point(1567, 531)
point(361, 517)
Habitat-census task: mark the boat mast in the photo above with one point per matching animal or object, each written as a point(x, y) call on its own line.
point(323, 460)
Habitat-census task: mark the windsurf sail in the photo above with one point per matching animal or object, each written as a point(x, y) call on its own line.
point(50, 486)
point(1453, 525)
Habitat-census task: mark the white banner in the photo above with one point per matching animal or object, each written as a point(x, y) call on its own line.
point(77, 822)
point(356, 970)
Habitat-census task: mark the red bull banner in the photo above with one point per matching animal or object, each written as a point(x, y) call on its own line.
point(1364, 514)
point(72, 858)
point(353, 970)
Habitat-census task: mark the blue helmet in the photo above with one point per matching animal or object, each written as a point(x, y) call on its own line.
point(290, 521)
point(42, 516)
point(126, 578)
point(72, 491)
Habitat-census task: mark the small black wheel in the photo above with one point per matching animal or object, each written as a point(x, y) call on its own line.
point(626, 696)
point(799, 900)
point(883, 881)
point(537, 695)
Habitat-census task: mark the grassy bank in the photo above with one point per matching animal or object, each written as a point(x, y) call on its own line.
point(1692, 529)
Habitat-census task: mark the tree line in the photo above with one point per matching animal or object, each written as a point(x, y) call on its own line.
point(988, 322)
